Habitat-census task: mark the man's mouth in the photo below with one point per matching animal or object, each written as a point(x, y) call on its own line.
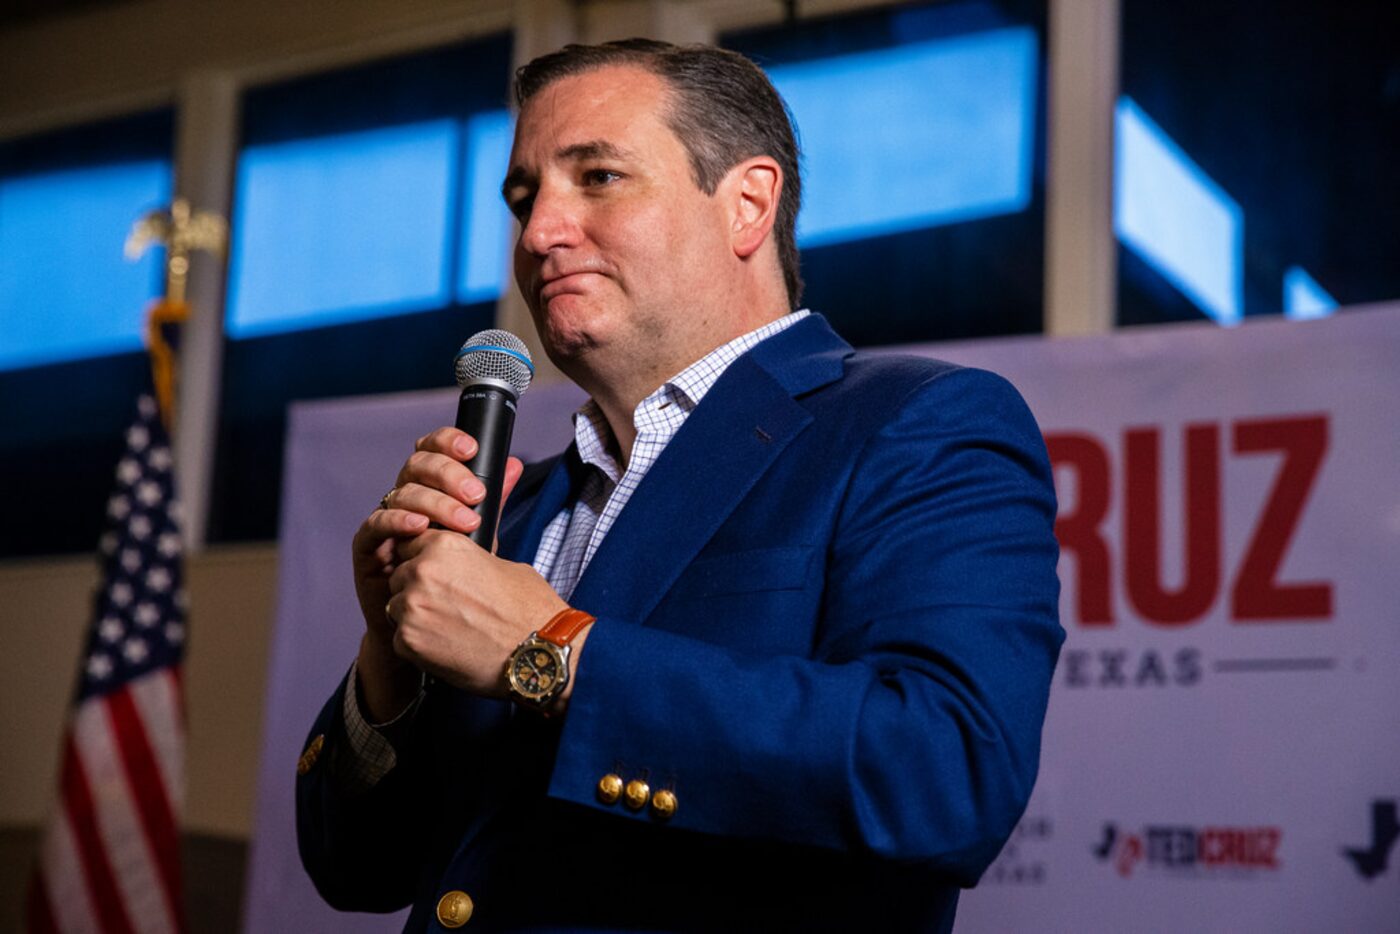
point(564, 283)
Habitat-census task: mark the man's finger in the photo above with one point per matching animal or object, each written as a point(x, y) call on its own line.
point(438, 507)
point(406, 549)
point(454, 442)
point(514, 468)
point(440, 472)
point(384, 524)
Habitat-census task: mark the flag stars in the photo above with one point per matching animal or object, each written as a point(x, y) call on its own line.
point(174, 633)
point(146, 614)
point(168, 544)
point(99, 666)
point(148, 492)
point(182, 600)
point(137, 437)
point(120, 592)
point(139, 527)
point(130, 559)
point(160, 459)
point(146, 405)
point(159, 579)
point(108, 543)
point(135, 650)
point(111, 629)
point(128, 471)
point(118, 507)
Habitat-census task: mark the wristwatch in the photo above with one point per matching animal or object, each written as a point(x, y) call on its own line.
point(538, 669)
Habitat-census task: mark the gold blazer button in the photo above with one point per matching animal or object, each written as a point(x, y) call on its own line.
point(609, 788)
point(636, 794)
point(312, 753)
point(454, 909)
point(663, 804)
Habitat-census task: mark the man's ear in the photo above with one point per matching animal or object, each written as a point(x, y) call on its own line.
point(757, 186)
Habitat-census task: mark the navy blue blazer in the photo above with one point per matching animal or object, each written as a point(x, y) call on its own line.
point(827, 621)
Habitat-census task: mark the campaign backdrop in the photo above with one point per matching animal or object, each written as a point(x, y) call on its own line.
point(1222, 751)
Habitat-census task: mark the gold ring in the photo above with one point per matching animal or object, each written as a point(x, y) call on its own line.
point(389, 616)
point(384, 500)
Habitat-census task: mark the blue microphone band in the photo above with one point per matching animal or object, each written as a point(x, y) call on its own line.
point(523, 358)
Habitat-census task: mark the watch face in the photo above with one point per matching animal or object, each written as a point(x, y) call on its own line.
point(535, 670)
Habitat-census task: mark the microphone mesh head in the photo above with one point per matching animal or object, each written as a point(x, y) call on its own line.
point(498, 356)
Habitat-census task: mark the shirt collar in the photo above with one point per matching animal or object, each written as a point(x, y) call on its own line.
point(696, 380)
point(594, 436)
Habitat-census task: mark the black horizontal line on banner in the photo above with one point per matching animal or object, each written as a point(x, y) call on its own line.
point(1275, 664)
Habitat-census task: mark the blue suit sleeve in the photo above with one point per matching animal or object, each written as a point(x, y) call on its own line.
point(356, 848)
point(912, 730)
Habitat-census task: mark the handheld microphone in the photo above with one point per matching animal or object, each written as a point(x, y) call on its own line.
point(494, 369)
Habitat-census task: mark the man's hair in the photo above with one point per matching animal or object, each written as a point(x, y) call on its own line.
point(723, 109)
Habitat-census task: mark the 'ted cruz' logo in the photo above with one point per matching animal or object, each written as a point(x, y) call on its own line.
point(1190, 849)
point(1372, 860)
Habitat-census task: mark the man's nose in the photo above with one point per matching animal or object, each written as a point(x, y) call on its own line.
point(553, 223)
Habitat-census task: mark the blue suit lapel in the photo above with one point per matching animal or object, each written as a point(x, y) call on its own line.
point(729, 441)
point(521, 529)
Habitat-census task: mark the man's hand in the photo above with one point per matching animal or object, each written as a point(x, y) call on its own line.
point(461, 611)
point(433, 486)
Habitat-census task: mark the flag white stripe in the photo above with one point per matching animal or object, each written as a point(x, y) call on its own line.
point(64, 884)
point(157, 700)
point(123, 836)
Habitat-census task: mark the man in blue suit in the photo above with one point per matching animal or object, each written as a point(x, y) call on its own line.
point(768, 647)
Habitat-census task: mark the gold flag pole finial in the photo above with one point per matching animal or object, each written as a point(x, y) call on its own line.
point(182, 231)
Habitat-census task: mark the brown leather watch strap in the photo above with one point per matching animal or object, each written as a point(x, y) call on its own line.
point(564, 626)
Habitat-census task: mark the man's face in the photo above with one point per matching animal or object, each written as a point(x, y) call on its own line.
point(619, 252)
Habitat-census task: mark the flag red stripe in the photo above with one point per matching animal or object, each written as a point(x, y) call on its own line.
point(82, 813)
point(149, 792)
point(177, 674)
point(38, 913)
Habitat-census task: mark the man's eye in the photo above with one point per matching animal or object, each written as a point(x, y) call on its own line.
point(600, 176)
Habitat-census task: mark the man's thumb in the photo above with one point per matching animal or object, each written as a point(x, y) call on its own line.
point(514, 468)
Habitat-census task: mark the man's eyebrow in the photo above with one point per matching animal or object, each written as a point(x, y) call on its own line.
point(592, 149)
point(576, 152)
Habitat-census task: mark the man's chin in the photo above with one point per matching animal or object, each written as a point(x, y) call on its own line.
point(566, 337)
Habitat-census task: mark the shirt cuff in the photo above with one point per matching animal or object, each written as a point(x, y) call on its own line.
point(371, 753)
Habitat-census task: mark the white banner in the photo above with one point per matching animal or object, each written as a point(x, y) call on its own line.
point(1223, 746)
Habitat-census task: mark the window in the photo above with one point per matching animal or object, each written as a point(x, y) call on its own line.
point(1256, 149)
point(66, 291)
point(922, 143)
point(72, 312)
point(1171, 214)
point(369, 241)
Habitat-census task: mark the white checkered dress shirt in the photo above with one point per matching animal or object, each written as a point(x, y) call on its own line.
point(573, 536)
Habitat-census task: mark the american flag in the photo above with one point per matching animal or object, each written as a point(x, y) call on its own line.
point(110, 858)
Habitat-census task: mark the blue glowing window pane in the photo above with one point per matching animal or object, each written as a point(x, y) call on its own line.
point(914, 136)
point(66, 292)
point(487, 222)
point(1176, 218)
point(1303, 298)
point(341, 228)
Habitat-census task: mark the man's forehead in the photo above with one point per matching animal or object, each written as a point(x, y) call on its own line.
point(603, 103)
point(603, 113)
point(600, 86)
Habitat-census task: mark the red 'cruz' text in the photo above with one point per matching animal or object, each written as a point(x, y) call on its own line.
point(1255, 594)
